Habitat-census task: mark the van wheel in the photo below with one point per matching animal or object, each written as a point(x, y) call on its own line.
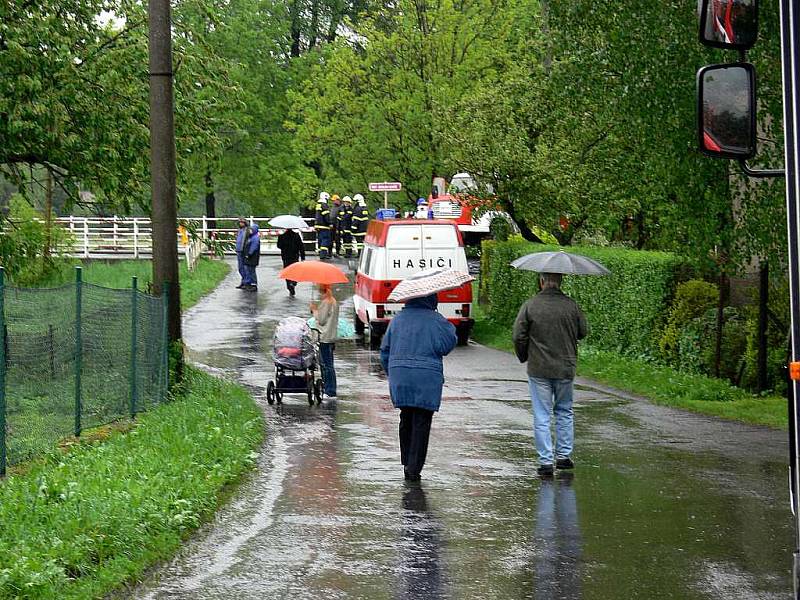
point(374, 339)
point(462, 334)
point(358, 324)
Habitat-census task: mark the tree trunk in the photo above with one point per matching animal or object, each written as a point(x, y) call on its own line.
point(211, 201)
point(296, 29)
point(721, 301)
point(48, 214)
point(314, 33)
point(523, 226)
point(763, 316)
point(162, 169)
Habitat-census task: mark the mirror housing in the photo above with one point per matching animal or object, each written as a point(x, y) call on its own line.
point(726, 110)
point(731, 24)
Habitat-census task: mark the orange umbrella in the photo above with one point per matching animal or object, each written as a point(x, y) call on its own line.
point(313, 271)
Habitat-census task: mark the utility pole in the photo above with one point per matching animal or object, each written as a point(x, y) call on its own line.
point(162, 164)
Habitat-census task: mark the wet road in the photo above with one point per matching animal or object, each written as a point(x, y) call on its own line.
point(663, 504)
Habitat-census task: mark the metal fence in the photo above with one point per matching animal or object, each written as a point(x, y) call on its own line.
point(76, 357)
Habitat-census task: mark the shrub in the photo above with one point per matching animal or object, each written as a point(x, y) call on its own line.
point(696, 347)
point(22, 245)
point(692, 299)
point(624, 309)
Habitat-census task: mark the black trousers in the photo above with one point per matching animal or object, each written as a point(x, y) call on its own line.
point(415, 430)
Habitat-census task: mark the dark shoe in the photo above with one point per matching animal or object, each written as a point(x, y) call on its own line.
point(291, 292)
point(411, 476)
point(564, 463)
point(545, 470)
point(251, 288)
point(240, 286)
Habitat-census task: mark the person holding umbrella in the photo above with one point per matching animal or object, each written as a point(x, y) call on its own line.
point(411, 355)
point(326, 312)
point(290, 243)
point(546, 333)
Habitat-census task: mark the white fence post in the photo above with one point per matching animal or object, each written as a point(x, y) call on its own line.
point(115, 233)
point(135, 237)
point(85, 237)
point(204, 234)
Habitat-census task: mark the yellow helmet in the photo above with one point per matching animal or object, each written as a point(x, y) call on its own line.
point(335, 197)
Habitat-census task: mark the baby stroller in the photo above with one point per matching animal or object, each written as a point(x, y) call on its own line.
point(295, 352)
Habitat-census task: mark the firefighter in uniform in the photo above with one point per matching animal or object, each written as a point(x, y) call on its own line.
point(336, 242)
point(344, 224)
point(360, 221)
point(322, 224)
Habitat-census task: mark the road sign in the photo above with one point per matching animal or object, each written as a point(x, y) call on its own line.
point(386, 186)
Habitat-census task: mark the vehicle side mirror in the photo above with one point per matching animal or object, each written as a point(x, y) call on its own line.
point(731, 24)
point(726, 110)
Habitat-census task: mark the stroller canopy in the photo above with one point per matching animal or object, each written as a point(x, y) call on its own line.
point(293, 345)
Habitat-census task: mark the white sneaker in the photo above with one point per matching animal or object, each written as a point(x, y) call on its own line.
point(330, 397)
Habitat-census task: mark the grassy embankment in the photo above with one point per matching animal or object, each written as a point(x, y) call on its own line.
point(77, 524)
point(96, 512)
point(662, 385)
point(118, 273)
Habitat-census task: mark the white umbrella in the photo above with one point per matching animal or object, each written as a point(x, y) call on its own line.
point(288, 222)
point(560, 262)
point(428, 282)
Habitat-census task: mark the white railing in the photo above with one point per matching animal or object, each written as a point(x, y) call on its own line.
point(133, 236)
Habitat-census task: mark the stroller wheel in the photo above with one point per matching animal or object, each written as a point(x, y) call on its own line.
point(279, 396)
point(271, 394)
point(310, 392)
point(318, 390)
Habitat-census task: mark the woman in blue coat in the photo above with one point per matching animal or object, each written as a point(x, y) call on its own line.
point(411, 354)
point(252, 256)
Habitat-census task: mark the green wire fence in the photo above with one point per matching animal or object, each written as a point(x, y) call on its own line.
point(73, 358)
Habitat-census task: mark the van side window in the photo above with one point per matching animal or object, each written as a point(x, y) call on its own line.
point(368, 263)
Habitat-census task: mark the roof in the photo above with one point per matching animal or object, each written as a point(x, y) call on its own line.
point(378, 230)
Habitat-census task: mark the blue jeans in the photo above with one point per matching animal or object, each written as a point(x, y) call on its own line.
point(550, 396)
point(250, 277)
point(240, 264)
point(326, 366)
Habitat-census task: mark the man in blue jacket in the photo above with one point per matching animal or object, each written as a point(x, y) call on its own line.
point(241, 238)
point(252, 256)
point(411, 354)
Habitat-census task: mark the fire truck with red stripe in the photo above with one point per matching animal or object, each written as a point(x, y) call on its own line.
point(397, 249)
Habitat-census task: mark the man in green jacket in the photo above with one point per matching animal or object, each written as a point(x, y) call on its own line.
point(546, 335)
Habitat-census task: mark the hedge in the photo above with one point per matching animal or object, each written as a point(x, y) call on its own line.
point(625, 310)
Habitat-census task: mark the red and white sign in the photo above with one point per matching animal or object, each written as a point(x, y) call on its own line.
point(386, 186)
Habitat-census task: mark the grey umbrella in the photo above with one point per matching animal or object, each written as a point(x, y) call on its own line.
point(560, 262)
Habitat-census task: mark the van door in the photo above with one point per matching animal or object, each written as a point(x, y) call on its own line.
point(440, 248)
point(403, 251)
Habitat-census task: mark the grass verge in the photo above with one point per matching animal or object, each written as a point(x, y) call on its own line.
point(117, 274)
point(660, 384)
point(79, 523)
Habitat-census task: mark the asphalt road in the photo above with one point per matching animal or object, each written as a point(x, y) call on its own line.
point(662, 504)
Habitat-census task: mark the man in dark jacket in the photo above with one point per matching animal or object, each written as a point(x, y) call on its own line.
point(241, 239)
point(322, 224)
point(360, 221)
point(546, 335)
point(251, 258)
point(344, 223)
point(411, 354)
point(290, 243)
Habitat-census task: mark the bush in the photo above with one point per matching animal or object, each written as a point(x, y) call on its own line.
point(696, 348)
point(624, 309)
point(692, 299)
point(22, 246)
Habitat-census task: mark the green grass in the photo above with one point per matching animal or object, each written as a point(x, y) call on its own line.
point(118, 273)
point(77, 524)
point(660, 384)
